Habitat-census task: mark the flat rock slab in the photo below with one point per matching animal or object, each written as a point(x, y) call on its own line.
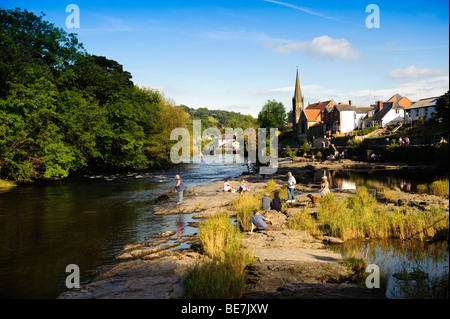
point(284, 239)
point(300, 255)
point(210, 198)
point(157, 279)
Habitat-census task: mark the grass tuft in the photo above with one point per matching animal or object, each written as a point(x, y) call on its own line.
point(223, 275)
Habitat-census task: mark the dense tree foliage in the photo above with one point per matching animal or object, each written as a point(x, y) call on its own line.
point(63, 110)
point(273, 115)
point(220, 119)
point(442, 109)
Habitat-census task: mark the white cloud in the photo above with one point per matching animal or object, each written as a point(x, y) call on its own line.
point(413, 90)
point(323, 47)
point(412, 72)
point(289, 48)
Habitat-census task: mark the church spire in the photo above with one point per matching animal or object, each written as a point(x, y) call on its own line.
point(297, 105)
point(298, 91)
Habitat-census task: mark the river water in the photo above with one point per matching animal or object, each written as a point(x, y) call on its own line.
point(88, 220)
point(85, 221)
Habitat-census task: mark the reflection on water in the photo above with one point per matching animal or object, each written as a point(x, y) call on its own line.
point(86, 221)
point(394, 179)
point(393, 256)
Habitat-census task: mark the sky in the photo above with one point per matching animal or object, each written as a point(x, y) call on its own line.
point(236, 55)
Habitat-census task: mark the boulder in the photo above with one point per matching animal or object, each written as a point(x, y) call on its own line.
point(332, 240)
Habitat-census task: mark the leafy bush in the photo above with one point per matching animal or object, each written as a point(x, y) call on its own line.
point(422, 188)
point(440, 188)
point(305, 148)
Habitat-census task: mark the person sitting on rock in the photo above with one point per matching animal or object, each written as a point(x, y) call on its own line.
point(244, 186)
point(227, 187)
point(266, 202)
point(259, 222)
point(276, 202)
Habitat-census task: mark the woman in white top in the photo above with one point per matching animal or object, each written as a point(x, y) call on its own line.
point(324, 187)
point(227, 187)
point(290, 188)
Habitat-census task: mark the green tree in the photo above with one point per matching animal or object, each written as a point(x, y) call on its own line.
point(305, 148)
point(441, 109)
point(272, 115)
point(63, 110)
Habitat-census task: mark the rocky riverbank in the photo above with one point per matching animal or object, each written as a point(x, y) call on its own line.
point(289, 263)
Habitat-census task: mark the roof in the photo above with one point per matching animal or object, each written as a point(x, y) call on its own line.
point(395, 98)
point(363, 109)
point(431, 101)
point(320, 105)
point(405, 102)
point(318, 124)
point(312, 115)
point(386, 108)
point(344, 107)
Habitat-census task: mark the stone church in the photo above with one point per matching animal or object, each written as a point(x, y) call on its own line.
point(299, 120)
point(303, 118)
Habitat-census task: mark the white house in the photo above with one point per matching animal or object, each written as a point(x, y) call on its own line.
point(423, 107)
point(384, 114)
point(343, 118)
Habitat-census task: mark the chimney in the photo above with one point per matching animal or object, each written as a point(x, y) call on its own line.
point(379, 105)
point(350, 102)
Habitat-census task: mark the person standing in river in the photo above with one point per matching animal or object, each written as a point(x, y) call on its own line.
point(179, 187)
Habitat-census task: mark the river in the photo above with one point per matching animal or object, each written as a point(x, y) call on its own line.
point(87, 220)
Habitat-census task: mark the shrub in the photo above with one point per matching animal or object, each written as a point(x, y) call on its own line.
point(439, 188)
point(319, 155)
point(288, 152)
point(422, 188)
point(305, 148)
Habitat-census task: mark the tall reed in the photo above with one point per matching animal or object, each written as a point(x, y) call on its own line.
point(244, 206)
point(223, 275)
point(361, 216)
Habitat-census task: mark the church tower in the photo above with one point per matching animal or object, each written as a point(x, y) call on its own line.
point(297, 106)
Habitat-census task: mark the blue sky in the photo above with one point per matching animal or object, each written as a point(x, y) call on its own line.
point(235, 55)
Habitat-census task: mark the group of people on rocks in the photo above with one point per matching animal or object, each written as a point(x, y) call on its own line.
point(403, 141)
point(260, 221)
point(375, 157)
point(227, 187)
